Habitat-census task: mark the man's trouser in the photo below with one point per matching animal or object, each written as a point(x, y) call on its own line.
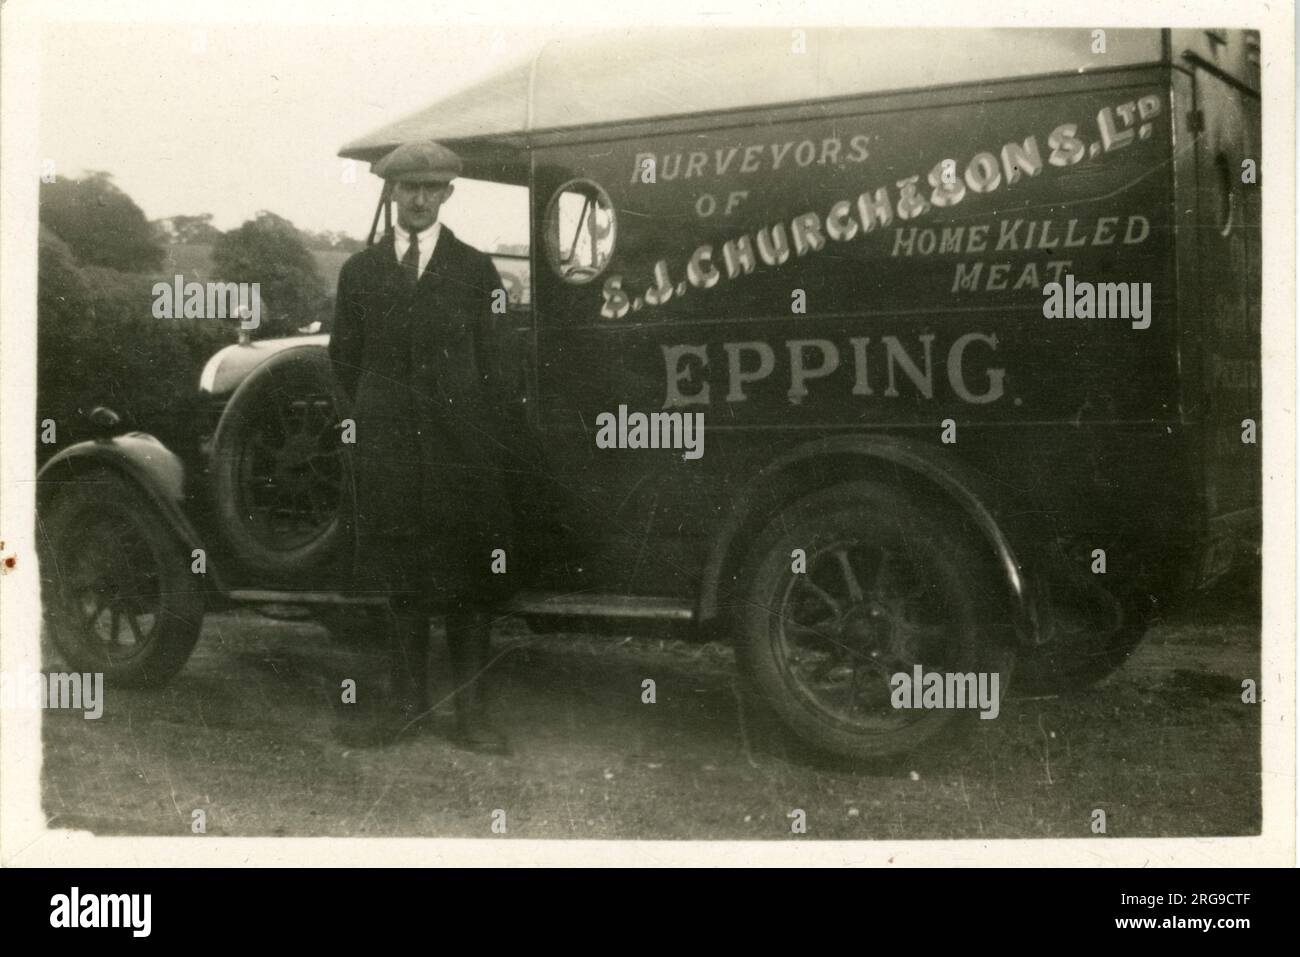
point(410, 606)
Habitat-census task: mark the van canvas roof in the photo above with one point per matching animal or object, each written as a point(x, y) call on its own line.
point(615, 77)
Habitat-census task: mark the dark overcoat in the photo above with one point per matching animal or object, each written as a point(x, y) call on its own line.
point(421, 365)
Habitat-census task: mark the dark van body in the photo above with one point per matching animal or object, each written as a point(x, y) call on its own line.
point(850, 287)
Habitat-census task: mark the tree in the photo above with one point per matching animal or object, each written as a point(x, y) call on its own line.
point(98, 343)
point(190, 230)
point(270, 250)
point(101, 225)
point(332, 239)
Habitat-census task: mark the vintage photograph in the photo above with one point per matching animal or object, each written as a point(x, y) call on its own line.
point(727, 432)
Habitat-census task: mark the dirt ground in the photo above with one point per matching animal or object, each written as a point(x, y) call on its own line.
point(1165, 747)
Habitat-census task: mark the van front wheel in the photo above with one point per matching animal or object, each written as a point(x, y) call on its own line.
point(847, 588)
point(118, 590)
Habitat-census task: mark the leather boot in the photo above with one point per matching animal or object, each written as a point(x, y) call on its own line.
point(469, 644)
point(404, 710)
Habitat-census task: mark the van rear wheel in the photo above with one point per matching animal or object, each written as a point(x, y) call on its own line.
point(883, 588)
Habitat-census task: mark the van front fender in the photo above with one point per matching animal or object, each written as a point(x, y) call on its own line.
point(141, 459)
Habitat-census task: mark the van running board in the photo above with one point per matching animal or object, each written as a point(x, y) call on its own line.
point(264, 596)
point(594, 605)
point(602, 605)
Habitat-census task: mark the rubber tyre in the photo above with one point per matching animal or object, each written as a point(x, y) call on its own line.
point(107, 552)
point(281, 480)
point(864, 517)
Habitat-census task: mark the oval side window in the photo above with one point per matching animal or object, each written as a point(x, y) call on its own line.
point(579, 231)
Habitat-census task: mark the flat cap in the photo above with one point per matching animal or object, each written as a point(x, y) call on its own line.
point(421, 161)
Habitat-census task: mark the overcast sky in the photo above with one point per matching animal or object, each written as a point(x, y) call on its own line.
point(239, 106)
point(232, 118)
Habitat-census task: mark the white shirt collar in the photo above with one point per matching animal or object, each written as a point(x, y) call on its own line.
point(404, 235)
point(427, 239)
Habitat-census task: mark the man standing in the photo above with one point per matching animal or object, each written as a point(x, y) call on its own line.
point(415, 347)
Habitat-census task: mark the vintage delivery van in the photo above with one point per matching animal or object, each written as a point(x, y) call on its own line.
point(870, 358)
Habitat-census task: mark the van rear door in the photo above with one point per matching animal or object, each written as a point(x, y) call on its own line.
point(1228, 272)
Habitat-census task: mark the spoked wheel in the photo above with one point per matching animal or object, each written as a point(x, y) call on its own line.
point(885, 589)
point(118, 591)
point(291, 472)
point(280, 476)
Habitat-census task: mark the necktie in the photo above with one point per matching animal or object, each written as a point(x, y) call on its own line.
point(411, 261)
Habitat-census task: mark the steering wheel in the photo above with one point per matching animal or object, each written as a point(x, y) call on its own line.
point(580, 272)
